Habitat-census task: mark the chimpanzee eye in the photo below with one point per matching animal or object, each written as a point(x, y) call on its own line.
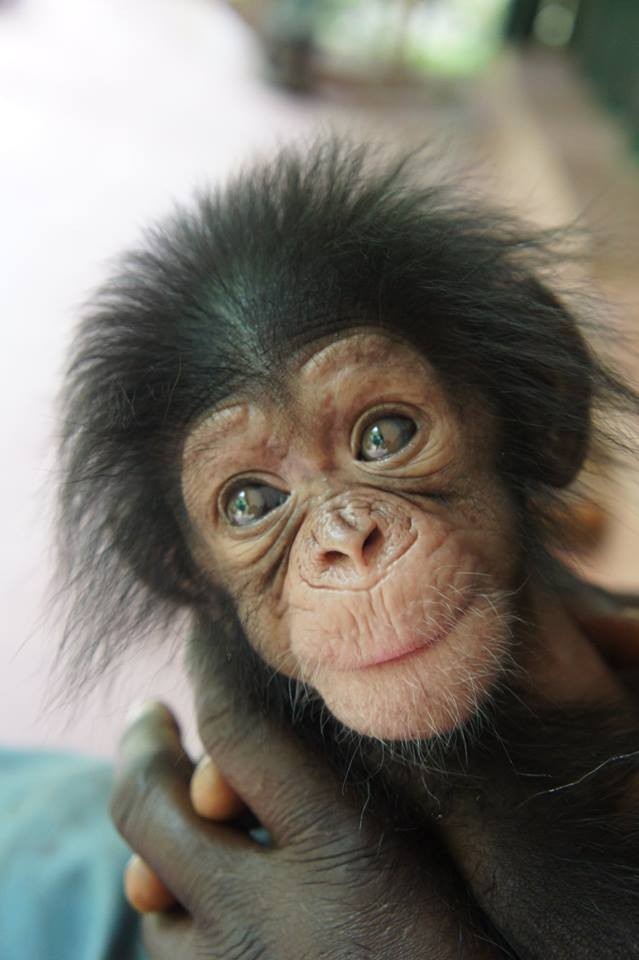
point(385, 437)
point(251, 501)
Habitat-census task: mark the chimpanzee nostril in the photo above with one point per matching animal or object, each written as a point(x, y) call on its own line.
point(333, 557)
point(357, 548)
point(372, 543)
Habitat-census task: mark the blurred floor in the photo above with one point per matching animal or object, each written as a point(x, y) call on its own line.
point(112, 109)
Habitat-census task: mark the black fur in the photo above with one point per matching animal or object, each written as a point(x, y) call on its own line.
point(289, 252)
point(309, 245)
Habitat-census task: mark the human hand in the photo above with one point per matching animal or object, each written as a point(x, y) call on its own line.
point(334, 884)
point(212, 798)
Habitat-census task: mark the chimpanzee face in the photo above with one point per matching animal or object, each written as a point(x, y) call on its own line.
point(364, 532)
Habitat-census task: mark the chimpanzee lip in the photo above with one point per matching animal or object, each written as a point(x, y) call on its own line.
point(397, 656)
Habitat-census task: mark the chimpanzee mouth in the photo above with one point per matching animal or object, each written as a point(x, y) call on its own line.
point(396, 656)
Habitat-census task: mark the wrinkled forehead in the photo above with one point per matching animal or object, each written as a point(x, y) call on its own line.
point(348, 367)
point(333, 358)
point(365, 348)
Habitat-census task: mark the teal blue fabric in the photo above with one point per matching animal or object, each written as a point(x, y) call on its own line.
point(61, 862)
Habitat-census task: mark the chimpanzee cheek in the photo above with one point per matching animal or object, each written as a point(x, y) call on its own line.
point(266, 623)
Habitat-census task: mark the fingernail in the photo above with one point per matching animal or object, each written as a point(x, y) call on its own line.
point(140, 707)
point(203, 762)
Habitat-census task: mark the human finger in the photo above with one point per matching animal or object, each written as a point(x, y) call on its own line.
point(144, 890)
point(212, 797)
point(148, 725)
point(152, 809)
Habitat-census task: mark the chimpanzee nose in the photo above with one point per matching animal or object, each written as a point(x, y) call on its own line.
point(348, 536)
point(350, 542)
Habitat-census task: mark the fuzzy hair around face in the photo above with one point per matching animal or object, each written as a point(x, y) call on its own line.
point(311, 244)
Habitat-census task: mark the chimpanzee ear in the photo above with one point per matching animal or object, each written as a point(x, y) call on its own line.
point(564, 439)
point(564, 455)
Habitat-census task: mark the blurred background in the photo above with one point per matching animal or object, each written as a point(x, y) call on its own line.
point(111, 110)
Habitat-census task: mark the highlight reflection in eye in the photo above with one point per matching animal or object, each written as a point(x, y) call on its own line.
point(386, 436)
point(250, 502)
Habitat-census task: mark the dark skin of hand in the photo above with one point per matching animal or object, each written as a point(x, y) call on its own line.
point(333, 886)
